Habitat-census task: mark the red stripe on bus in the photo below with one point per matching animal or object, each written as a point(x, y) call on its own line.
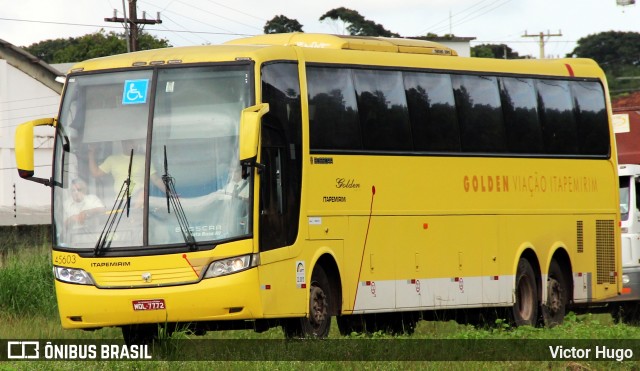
point(569, 69)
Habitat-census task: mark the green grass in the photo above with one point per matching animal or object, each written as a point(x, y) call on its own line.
point(28, 311)
point(26, 283)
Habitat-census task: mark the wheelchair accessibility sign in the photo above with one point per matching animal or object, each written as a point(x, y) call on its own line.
point(135, 91)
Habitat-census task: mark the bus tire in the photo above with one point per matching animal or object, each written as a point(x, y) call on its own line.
point(554, 306)
point(318, 322)
point(525, 309)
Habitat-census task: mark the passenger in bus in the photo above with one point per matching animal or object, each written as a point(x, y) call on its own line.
point(118, 166)
point(81, 206)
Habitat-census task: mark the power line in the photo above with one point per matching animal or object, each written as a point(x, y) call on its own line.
point(194, 20)
point(131, 23)
point(237, 11)
point(217, 15)
point(179, 25)
point(448, 19)
point(103, 26)
point(32, 107)
point(468, 17)
point(26, 99)
point(517, 41)
point(57, 23)
point(542, 40)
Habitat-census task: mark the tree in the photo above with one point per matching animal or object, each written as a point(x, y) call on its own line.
point(618, 53)
point(494, 51)
point(610, 48)
point(357, 24)
point(282, 24)
point(99, 44)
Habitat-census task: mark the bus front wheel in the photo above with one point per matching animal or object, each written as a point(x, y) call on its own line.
point(525, 309)
point(553, 309)
point(318, 322)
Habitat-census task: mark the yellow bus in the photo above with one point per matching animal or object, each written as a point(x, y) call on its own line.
point(288, 179)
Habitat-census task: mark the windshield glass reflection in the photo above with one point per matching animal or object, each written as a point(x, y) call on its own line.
point(108, 188)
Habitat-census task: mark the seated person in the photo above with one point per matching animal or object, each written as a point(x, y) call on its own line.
point(236, 186)
point(81, 206)
point(118, 166)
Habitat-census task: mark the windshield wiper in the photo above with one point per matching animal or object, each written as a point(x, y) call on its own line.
point(173, 199)
point(109, 229)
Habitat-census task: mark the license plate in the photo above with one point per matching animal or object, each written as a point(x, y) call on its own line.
point(154, 304)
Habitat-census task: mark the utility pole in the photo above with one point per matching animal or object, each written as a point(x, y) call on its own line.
point(542, 35)
point(131, 23)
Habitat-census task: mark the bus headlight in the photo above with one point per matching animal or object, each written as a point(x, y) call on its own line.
point(73, 275)
point(625, 279)
point(231, 265)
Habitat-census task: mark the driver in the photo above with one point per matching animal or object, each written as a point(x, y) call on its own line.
point(81, 206)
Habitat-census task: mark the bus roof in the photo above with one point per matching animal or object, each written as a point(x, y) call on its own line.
point(325, 48)
point(348, 42)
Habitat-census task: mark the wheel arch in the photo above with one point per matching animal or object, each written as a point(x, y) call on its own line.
point(330, 267)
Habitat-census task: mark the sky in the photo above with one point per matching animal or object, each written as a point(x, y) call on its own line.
point(197, 22)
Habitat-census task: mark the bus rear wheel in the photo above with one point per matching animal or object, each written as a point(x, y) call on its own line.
point(525, 309)
point(554, 307)
point(318, 322)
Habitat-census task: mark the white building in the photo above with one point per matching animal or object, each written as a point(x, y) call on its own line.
point(462, 45)
point(28, 90)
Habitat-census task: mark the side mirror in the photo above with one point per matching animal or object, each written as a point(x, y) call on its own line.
point(249, 135)
point(25, 151)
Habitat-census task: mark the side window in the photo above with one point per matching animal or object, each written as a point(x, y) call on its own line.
point(333, 110)
point(593, 125)
point(479, 113)
point(557, 117)
point(281, 153)
point(432, 112)
point(384, 118)
point(520, 109)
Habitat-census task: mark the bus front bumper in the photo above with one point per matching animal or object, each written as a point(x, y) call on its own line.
point(232, 297)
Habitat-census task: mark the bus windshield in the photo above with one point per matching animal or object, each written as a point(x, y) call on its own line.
point(150, 158)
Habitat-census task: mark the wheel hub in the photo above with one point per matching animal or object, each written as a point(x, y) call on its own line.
point(554, 302)
point(318, 306)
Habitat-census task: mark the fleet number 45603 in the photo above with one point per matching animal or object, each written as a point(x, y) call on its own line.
point(65, 259)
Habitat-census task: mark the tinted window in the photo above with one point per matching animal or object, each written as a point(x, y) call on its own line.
point(520, 110)
point(384, 110)
point(333, 112)
point(434, 122)
point(479, 113)
point(593, 125)
point(282, 155)
point(384, 118)
point(557, 116)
